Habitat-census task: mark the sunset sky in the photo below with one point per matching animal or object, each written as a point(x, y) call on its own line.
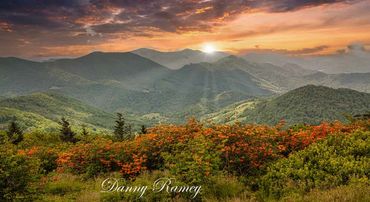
point(44, 28)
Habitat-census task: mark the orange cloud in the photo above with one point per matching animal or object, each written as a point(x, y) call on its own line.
point(78, 27)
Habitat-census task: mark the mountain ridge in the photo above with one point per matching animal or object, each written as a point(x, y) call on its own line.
point(309, 104)
point(178, 59)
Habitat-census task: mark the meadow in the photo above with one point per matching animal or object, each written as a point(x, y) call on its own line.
point(238, 162)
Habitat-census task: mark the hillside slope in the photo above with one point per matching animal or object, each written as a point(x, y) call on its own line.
point(309, 104)
point(45, 109)
point(129, 83)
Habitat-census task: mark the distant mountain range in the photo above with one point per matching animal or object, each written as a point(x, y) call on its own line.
point(129, 82)
point(178, 59)
point(353, 60)
point(155, 89)
point(309, 104)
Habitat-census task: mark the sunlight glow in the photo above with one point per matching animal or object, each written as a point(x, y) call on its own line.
point(209, 48)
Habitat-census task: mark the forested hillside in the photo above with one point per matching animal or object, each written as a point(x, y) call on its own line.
point(44, 110)
point(129, 83)
point(309, 104)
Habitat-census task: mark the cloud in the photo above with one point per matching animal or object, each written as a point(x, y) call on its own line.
point(117, 15)
point(356, 47)
point(291, 5)
point(303, 51)
point(62, 23)
point(353, 47)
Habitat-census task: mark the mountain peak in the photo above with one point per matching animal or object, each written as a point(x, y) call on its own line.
point(309, 104)
point(100, 53)
point(321, 92)
point(178, 59)
point(231, 58)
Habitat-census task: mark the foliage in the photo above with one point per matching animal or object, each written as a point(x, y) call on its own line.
point(18, 173)
point(15, 134)
point(84, 132)
point(121, 130)
point(228, 161)
point(40, 138)
point(43, 110)
point(143, 129)
point(66, 133)
point(336, 161)
point(238, 149)
point(305, 105)
point(353, 192)
point(194, 161)
point(46, 156)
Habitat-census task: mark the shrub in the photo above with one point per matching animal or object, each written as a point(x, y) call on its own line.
point(238, 149)
point(334, 162)
point(63, 184)
point(221, 187)
point(18, 172)
point(46, 156)
point(194, 161)
point(38, 138)
point(101, 156)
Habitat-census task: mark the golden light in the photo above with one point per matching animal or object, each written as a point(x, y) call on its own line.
point(209, 48)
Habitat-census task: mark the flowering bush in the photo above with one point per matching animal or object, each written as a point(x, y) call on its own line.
point(103, 155)
point(239, 149)
point(17, 173)
point(46, 156)
point(275, 160)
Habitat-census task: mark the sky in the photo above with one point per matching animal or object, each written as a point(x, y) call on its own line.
point(67, 28)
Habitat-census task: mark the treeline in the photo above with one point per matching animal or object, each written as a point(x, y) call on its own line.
point(122, 131)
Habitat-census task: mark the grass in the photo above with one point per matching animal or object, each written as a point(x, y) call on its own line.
point(68, 187)
point(349, 193)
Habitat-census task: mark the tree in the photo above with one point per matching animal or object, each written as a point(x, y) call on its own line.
point(66, 133)
point(143, 129)
point(15, 134)
point(121, 130)
point(84, 132)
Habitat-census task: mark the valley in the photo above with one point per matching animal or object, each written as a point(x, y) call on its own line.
point(221, 88)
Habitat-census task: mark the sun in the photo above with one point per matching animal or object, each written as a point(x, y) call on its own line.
point(209, 48)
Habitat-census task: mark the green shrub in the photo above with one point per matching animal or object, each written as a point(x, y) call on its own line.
point(63, 184)
point(221, 187)
point(38, 138)
point(324, 165)
point(194, 161)
point(3, 137)
point(18, 172)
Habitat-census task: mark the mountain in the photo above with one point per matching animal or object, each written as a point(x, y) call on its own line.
point(178, 59)
point(355, 59)
point(134, 84)
point(138, 86)
point(278, 78)
point(45, 110)
point(18, 76)
point(309, 104)
point(290, 76)
point(209, 86)
point(356, 81)
point(109, 66)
